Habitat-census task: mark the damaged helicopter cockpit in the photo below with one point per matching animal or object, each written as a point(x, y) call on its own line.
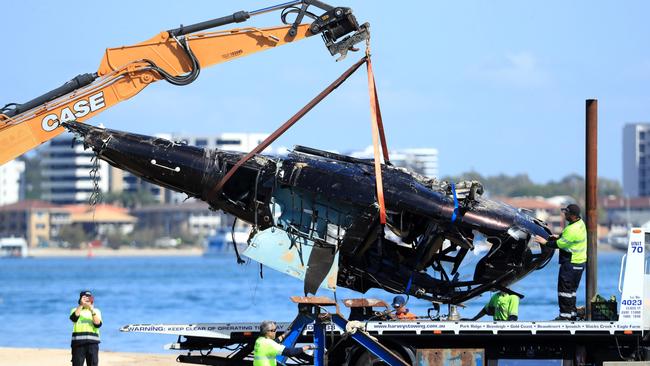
point(315, 216)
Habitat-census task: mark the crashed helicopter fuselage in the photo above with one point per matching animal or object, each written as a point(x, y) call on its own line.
point(315, 216)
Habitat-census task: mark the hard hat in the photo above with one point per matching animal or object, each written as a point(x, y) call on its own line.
point(399, 301)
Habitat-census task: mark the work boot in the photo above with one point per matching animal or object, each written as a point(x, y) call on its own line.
point(562, 318)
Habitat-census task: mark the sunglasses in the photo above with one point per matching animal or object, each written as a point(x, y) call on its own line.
point(273, 330)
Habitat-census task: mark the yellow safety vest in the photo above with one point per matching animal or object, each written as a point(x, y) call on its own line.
point(84, 330)
point(574, 240)
point(502, 305)
point(265, 352)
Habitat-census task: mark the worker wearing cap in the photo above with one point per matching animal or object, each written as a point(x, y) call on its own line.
point(502, 306)
point(85, 333)
point(401, 311)
point(267, 349)
point(573, 256)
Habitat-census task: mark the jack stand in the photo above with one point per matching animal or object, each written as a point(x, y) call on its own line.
point(309, 310)
point(453, 313)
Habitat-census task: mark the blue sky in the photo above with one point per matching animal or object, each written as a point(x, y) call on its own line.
point(495, 86)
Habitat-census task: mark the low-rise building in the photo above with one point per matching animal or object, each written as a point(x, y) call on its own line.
point(626, 211)
point(101, 220)
point(40, 222)
point(28, 219)
point(191, 217)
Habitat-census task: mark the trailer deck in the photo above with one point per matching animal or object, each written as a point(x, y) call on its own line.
point(366, 341)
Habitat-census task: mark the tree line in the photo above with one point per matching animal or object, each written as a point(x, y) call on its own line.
point(521, 185)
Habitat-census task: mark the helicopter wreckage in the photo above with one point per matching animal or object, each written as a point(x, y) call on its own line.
point(315, 216)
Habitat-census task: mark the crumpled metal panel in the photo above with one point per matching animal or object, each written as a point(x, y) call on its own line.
point(290, 254)
point(450, 357)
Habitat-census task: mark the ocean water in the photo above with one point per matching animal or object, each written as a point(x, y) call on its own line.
point(37, 294)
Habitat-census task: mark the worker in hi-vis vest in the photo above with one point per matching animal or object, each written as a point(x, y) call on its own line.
point(502, 306)
point(573, 256)
point(267, 349)
point(85, 333)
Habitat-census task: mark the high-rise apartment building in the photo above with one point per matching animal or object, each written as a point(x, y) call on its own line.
point(12, 182)
point(69, 172)
point(123, 181)
point(420, 160)
point(233, 141)
point(636, 159)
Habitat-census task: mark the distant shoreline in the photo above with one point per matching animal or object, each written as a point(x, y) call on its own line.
point(107, 252)
point(45, 356)
point(153, 252)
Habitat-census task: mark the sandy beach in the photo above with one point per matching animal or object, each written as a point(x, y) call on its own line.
point(56, 357)
point(107, 252)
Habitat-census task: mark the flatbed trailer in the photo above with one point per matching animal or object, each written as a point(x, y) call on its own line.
point(479, 343)
point(434, 342)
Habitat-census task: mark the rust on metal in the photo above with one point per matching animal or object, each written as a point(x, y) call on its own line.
point(591, 200)
point(314, 300)
point(362, 303)
point(450, 357)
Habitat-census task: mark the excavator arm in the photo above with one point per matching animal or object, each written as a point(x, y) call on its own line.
point(177, 56)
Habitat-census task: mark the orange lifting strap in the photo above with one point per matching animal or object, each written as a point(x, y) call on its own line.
point(377, 132)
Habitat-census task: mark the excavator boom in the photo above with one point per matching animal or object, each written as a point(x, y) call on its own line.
point(177, 56)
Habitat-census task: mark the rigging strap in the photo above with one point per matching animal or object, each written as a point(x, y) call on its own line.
point(282, 129)
point(454, 215)
point(377, 135)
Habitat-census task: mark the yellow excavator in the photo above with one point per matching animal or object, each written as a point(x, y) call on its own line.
point(177, 56)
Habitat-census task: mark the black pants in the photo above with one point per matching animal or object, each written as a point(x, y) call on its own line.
point(568, 281)
point(88, 352)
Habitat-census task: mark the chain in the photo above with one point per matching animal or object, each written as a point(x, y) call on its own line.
point(96, 196)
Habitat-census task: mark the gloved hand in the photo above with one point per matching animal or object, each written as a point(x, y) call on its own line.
point(540, 240)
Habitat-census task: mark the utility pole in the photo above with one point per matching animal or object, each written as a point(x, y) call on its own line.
point(592, 200)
